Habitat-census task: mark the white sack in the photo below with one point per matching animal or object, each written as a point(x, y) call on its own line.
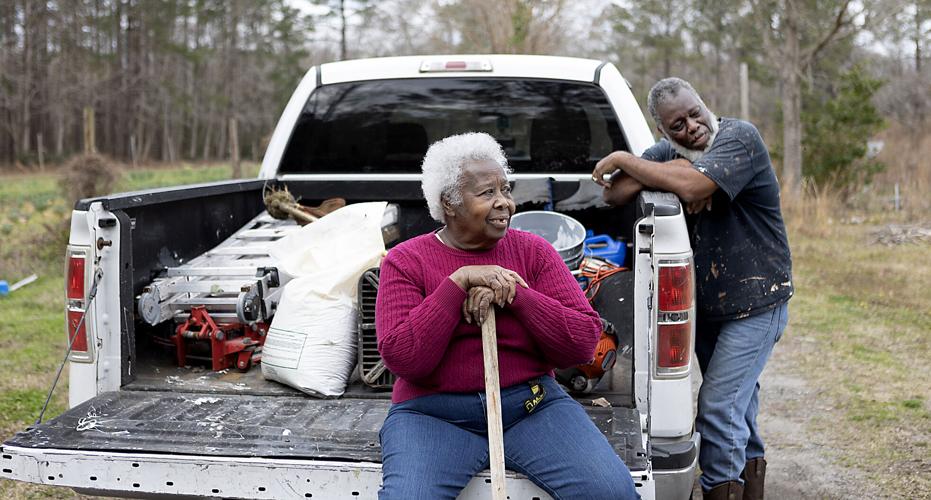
point(336, 249)
point(311, 343)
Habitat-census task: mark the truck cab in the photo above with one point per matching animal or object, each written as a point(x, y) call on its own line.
point(140, 425)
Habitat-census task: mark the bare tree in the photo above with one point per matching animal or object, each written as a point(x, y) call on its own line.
point(792, 42)
point(506, 26)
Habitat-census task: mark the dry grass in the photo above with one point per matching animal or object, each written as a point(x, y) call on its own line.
point(859, 331)
point(814, 214)
point(907, 156)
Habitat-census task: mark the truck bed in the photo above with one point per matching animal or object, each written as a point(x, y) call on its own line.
point(251, 425)
point(164, 409)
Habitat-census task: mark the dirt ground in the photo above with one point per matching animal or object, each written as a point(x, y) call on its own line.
point(799, 465)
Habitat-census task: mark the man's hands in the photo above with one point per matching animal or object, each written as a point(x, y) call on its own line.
point(608, 166)
point(486, 285)
point(627, 174)
point(693, 207)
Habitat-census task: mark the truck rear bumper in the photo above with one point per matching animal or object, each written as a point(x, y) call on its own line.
point(674, 467)
point(164, 475)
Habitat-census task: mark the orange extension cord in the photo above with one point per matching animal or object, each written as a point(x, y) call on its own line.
point(596, 270)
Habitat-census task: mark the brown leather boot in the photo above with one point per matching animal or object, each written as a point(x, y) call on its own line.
point(731, 490)
point(753, 475)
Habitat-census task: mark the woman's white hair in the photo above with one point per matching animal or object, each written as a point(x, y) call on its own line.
point(442, 167)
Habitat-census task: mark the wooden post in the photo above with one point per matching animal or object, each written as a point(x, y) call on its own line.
point(234, 149)
point(40, 146)
point(90, 145)
point(133, 150)
point(493, 395)
point(744, 92)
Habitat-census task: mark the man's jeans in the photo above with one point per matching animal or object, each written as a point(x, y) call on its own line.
point(433, 445)
point(732, 355)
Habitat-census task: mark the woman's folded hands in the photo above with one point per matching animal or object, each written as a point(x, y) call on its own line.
point(486, 285)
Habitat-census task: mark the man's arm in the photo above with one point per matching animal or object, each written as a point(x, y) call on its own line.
point(676, 176)
point(621, 190)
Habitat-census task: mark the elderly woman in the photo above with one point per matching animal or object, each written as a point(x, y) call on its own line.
point(435, 291)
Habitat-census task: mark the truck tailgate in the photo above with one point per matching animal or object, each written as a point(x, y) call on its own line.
point(255, 426)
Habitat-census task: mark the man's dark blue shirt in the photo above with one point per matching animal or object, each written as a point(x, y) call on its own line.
point(742, 261)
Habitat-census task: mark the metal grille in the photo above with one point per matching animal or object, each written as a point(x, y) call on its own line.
point(374, 373)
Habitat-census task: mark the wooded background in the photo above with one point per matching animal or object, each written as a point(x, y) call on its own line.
point(165, 78)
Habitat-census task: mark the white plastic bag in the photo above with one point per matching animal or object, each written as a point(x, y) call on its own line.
point(336, 249)
point(311, 343)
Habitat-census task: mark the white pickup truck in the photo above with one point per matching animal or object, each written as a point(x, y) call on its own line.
point(141, 425)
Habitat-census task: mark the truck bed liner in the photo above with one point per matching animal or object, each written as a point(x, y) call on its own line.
point(255, 426)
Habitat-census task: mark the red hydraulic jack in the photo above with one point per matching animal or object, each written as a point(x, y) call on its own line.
point(230, 344)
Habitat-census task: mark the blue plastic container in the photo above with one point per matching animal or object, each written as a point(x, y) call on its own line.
point(4, 288)
point(605, 247)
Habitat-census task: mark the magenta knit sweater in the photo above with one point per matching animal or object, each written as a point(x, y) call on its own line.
point(425, 341)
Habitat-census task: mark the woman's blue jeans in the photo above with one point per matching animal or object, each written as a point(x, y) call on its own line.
point(433, 445)
point(732, 355)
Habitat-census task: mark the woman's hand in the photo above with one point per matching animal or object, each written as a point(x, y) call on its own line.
point(502, 282)
point(475, 307)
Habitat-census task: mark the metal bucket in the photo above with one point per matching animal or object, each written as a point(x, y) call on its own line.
point(566, 234)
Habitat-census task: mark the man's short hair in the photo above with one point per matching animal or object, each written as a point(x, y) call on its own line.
point(664, 90)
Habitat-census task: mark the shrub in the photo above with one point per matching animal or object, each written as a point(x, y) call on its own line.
point(836, 128)
point(88, 175)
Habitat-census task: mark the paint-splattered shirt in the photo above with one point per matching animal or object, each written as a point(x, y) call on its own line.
point(742, 261)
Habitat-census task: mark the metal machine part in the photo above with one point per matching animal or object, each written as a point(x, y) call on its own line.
point(371, 367)
point(231, 344)
point(237, 281)
point(584, 378)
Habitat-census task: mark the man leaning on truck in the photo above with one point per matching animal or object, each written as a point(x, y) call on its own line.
point(722, 170)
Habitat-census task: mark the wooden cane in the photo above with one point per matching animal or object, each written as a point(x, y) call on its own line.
point(493, 394)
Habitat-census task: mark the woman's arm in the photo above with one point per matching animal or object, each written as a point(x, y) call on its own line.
point(414, 330)
point(557, 313)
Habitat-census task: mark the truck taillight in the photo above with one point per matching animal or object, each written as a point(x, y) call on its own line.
point(74, 283)
point(77, 335)
point(675, 288)
point(76, 302)
point(674, 345)
point(675, 318)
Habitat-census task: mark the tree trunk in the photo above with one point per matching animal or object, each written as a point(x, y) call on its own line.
point(27, 78)
point(167, 147)
point(234, 149)
point(791, 106)
point(195, 111)
point(342, 30)
point(208, 134)
point(59, 133)
point(918, 37)
point(792, 131)
point(40, 149)
point(744, 92)
point(89, 141)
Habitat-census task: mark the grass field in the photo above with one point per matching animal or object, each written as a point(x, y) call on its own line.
point(33, 229)
point(859, 320)
point(860, 328)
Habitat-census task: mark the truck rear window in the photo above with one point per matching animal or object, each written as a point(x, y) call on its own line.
point(386, 126)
